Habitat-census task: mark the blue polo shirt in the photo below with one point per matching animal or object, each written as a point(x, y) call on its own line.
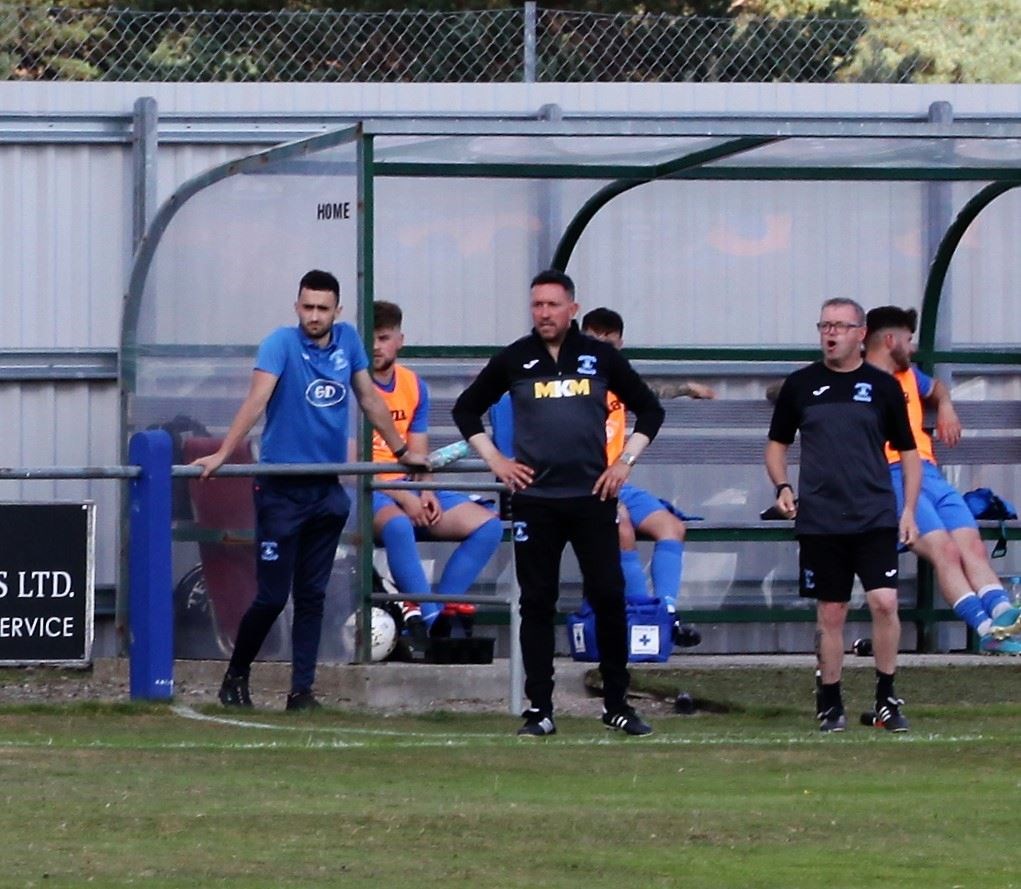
point(306, 418)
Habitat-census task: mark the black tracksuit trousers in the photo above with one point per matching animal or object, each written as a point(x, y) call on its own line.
point(541, 528)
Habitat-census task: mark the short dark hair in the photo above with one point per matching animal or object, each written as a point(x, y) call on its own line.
point(554, 276)
point(317, 279)
point(603, 320)
point(386, 315)
point(884, 317)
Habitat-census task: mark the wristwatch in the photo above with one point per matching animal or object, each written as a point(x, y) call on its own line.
point(627, 459)
point(783, 485)
point(401, 451)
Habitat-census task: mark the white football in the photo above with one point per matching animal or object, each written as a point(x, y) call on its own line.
point(384, 634)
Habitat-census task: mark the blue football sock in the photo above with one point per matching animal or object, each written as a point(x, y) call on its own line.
point(667, 561)
point(467, 561)
point(969, 609)
point(995, 600)
point(398, 537)
point(635, 587)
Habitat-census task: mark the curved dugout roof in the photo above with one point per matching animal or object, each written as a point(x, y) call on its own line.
point(620, 152)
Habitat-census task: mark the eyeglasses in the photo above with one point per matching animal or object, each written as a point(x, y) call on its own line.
point(836, 326)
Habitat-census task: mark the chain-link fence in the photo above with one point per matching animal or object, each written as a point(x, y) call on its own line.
point(53, 43)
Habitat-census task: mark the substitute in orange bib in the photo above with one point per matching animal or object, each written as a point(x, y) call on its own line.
point(639, 511)
point(948, 536)
point(402, 517)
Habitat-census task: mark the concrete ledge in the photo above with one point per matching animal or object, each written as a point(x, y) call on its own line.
point(422, 688)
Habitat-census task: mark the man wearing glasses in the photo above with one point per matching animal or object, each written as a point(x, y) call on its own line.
point(846, 517)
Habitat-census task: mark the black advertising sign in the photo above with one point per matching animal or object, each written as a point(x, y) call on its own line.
point(47, 582)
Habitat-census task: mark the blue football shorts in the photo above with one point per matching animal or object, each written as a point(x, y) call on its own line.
point(640, 504)
point(940, 505)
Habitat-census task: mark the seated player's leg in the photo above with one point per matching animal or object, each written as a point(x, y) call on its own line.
point(652, 519)
point(667, 553)
point(392, 527)
point(480, 532)
point(941, 550)
point(949, 540)
point(635, 588)
point(958, 520)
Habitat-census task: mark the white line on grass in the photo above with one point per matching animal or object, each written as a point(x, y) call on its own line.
point(190, 713)
point(440, 741)
point(459, 739)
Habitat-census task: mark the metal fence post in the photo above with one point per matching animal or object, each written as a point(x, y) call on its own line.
point(151, 618)
point(938, 214)
point(143, 163)
point(530, 45)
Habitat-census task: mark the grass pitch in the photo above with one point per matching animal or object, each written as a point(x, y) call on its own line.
point(747, 795)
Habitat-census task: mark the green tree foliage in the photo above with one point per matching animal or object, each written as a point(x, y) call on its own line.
point(917, 41)
point(36, 42)
point(441, 40)
point(940, 41)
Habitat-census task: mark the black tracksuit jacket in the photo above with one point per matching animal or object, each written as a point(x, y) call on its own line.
point(560, 407)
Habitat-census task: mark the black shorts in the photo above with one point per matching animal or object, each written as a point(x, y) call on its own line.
point(829, 562)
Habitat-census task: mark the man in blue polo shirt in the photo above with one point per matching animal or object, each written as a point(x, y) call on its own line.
point(301, 381)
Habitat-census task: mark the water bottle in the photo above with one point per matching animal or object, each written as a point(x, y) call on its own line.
point(1014, 591)
point(862, 647)
point(685, 703)
point(448, 454)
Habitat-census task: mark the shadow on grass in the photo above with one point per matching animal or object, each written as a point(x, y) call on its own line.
point(765, 692)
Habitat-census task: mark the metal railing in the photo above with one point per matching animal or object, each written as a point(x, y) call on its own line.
point(150, 473)
point(42, 42)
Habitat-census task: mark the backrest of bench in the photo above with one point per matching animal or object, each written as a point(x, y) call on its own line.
point(726, 432)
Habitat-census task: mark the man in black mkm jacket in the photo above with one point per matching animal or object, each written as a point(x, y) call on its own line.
point(562, 490)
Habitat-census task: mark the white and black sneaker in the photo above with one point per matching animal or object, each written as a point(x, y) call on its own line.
point(627, 721)
point(833, 719)
point(537, 724)
point(887, 715)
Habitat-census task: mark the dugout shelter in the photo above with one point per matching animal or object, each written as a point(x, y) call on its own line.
point(715, 236)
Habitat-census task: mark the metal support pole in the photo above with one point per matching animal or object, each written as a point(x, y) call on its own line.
point(151, 592)
point(530, 43)
point(143, 167)
point(366, 295)
point(548, 203)
point(144, 124)
point(516, 667)
point(939, 214)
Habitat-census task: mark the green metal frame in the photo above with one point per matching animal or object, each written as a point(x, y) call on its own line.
point(366, 297)
point(601, 198)
point(938, 271)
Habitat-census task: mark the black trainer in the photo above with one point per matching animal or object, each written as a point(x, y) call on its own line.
point(627, 721)
point(685, 635)
point(537, 724)
point(887, 715)
point(302, 700)
point(417, 629)
point(234, 692)
point(833, 719)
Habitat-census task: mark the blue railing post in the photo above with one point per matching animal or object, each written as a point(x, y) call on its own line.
point(151, 617)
